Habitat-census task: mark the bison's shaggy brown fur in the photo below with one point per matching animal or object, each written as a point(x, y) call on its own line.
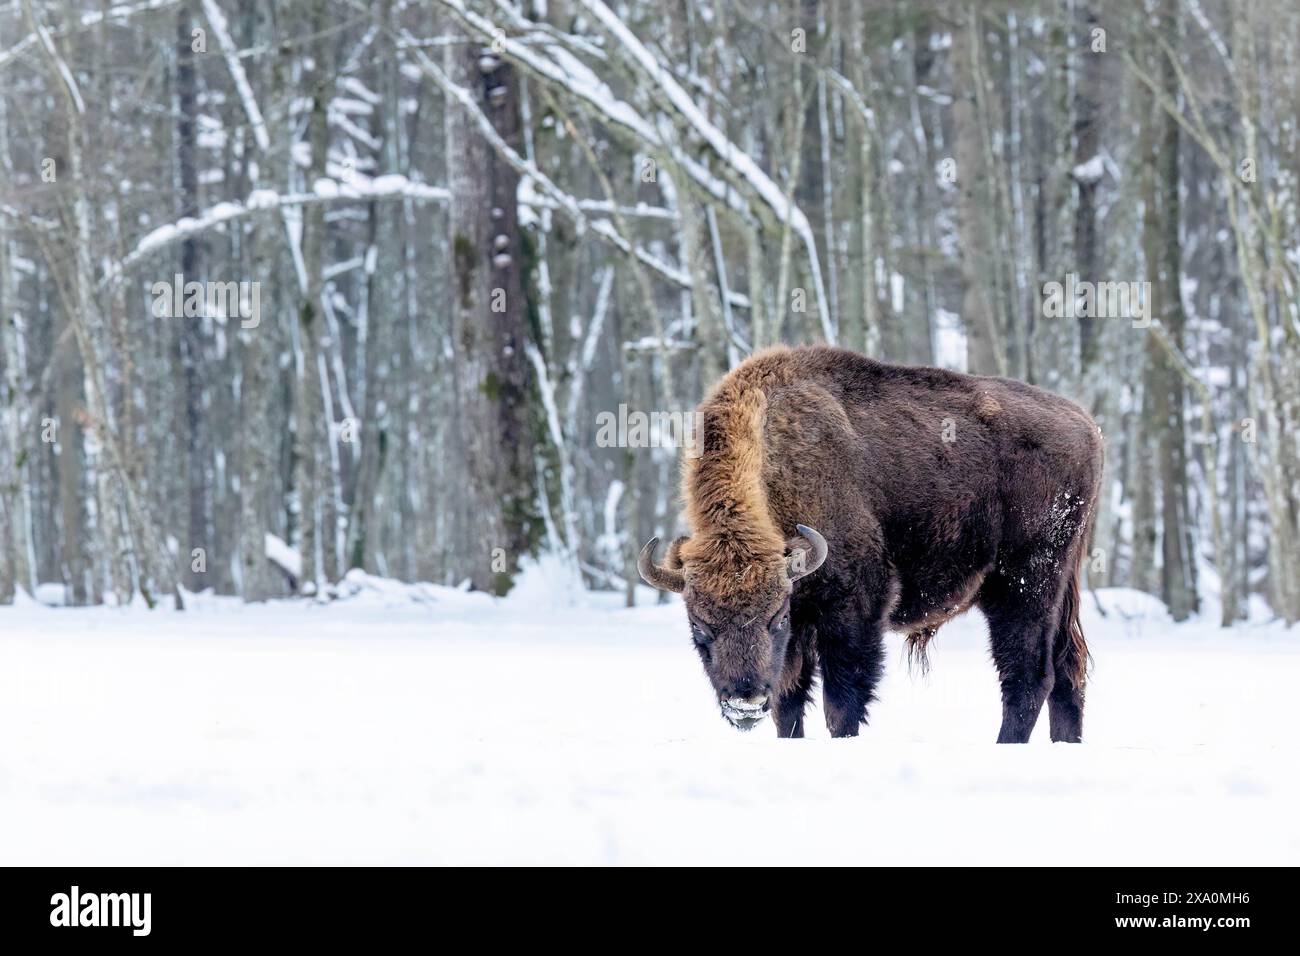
point(935, 491)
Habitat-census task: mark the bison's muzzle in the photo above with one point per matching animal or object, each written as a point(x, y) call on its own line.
point(745, 713)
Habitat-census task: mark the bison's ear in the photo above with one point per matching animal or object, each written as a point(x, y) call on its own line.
point(805, 553)
point(656, 575)
point(673, 559)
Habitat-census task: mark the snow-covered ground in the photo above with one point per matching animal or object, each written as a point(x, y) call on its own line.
point(423, 725)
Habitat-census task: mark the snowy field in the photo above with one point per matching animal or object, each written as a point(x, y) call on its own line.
point(424, 725)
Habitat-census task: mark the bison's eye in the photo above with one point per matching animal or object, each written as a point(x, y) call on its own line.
point(701, 634)
point(781, 620)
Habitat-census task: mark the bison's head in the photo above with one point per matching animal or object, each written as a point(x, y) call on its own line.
point(741, 634)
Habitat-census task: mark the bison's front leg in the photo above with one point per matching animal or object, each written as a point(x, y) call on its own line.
point(796, 685)
point(851, 647)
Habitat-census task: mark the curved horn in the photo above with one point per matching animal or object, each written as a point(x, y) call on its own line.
point(799, 564)
point(656, 575)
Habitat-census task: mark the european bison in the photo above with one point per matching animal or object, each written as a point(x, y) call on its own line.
point(931, 491)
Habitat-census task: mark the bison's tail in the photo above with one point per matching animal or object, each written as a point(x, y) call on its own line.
point(918, 644)
point(1072, 657)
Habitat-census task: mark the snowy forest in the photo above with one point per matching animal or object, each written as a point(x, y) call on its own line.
point(290, 287)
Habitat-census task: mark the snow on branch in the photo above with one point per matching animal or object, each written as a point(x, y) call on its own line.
point(573, 75)
point(678, 277)
point(260, 200)
point(841, 82)
point(1091, 171)
point(784, 208)
point(547, 34)
point(60, 64)
point(284, 557)
point(657, 344)
point(1216, 41)
point(509, 154)
point(558, 66)
point(563, 201)
point(546, 389)
point(27, 218)
point(640, 211)
point(113, 14)
point(217, 20)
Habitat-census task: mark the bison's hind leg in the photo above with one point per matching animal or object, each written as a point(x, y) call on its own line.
point(1070, 653)
point(1022, 625)
point(1065, 712)
point(1032, 608)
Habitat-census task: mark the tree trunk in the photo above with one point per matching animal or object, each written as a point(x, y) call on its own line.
point(1087, 148)
point(189, 330)
point(496, 527)
point(985, 347)
point(315, 533)
point(1179, 563)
